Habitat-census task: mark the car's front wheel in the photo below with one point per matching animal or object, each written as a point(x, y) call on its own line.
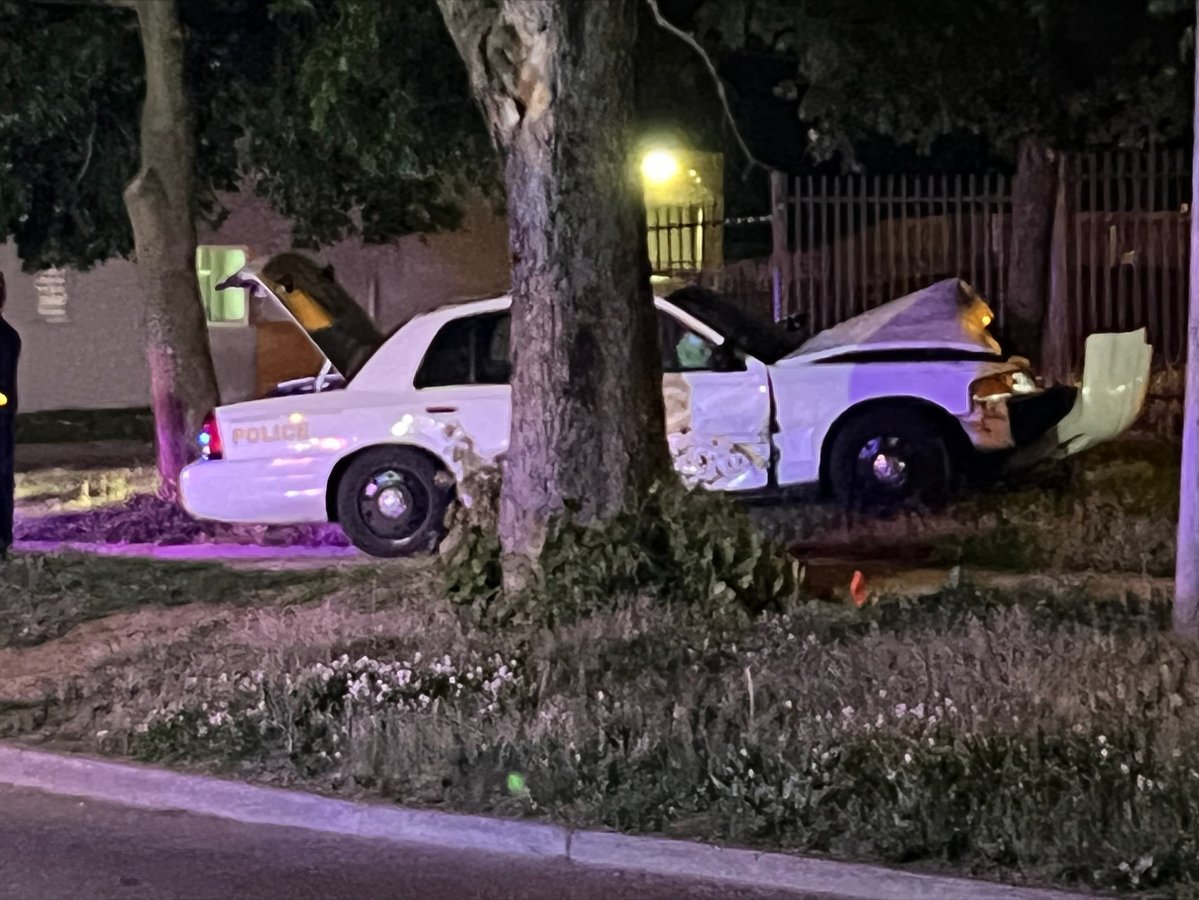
point(888, 459)
point(389, 502)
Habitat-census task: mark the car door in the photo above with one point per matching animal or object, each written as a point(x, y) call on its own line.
point(463, 379)
point(717, 406)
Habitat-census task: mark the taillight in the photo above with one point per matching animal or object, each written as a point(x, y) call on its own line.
point(210, 438)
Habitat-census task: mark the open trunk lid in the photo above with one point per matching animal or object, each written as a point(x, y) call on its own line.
point(298, 288)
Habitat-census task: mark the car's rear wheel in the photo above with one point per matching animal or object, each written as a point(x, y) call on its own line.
point(889, 459)
point(389, 502)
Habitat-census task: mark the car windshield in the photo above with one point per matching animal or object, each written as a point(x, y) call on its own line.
point(762, 340)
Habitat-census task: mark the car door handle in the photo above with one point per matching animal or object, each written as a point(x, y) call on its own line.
point(434, 410)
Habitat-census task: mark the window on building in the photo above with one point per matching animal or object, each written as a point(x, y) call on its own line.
point(470, 350)
point(51, 287)
point(213, 265)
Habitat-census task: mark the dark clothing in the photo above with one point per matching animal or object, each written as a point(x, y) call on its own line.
point(10, 352)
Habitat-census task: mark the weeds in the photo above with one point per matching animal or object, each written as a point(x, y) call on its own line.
point(1034, 736)
point(682, 547)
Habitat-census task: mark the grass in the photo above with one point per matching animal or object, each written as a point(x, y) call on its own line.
point(987, 734)
point(70, 426)
point(72, 490)
point(43, 597)
point(1032, 735)
point(1112, 509)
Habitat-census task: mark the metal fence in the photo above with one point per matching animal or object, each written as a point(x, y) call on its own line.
point(844, 244)
point(684, 240)
point(1127, 246)
point(859, 240)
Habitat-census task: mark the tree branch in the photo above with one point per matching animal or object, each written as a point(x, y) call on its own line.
point(691, 42)
point(87, 159)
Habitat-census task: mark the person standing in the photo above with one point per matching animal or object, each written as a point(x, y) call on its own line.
point(10, 352)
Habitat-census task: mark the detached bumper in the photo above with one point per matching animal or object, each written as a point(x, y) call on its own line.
point(1115, 380)
point(1031, 417)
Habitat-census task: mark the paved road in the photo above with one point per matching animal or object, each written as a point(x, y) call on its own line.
point(58, 847)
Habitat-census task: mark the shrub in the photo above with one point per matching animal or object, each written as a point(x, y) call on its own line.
point(679, 546)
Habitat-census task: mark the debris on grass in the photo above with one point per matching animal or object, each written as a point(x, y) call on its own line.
point(146, 519)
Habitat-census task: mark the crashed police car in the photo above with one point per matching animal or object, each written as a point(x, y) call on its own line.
point(890, 407)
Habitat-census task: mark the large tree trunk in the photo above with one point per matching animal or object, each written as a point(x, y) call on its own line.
point(555, 81)
point(1034, 190)
point(1186, 576)
point(159, 199)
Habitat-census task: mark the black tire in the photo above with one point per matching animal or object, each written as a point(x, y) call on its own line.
point(887, 459)
point(390, 504)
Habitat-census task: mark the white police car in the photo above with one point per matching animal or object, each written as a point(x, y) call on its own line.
point(890, 406)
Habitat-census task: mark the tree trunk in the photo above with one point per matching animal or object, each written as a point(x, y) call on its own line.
point(159, 200)
point(1055, 333)
point(1186, 576)
point(555, 81)
point(1033, 195)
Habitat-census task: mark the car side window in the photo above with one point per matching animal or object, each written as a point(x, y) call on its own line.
point(682, 349)
point(470, 350)
point(448, 359)
point(492, 361)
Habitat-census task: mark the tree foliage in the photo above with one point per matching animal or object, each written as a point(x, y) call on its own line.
point(1071, 73)
point(70, 91)
point(349, 116)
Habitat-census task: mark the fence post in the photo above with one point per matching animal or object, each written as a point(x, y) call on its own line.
point(780, 256)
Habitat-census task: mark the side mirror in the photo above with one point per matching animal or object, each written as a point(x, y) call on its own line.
point(725, 359)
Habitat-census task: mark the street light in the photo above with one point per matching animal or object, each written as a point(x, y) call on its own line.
point(659, 166)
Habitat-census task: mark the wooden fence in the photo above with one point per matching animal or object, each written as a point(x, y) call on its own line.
point(846, 243)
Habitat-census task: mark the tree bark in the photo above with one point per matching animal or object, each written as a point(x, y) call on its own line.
point(159, 200)
point(1034, 190)
point(1055, 333)
point(555, 81)
point(1186, 575)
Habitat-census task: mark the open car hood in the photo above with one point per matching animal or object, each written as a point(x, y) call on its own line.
point(298, 288)
point(947, 315)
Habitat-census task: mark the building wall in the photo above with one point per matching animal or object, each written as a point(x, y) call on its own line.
point(93, 359)
point(96, 357)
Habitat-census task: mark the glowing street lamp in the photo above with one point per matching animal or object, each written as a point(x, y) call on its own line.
point(659, 166)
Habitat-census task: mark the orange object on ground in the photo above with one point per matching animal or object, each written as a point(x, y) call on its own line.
point(857, 589)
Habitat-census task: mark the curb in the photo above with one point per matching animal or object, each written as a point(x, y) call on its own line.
point(129, 784)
